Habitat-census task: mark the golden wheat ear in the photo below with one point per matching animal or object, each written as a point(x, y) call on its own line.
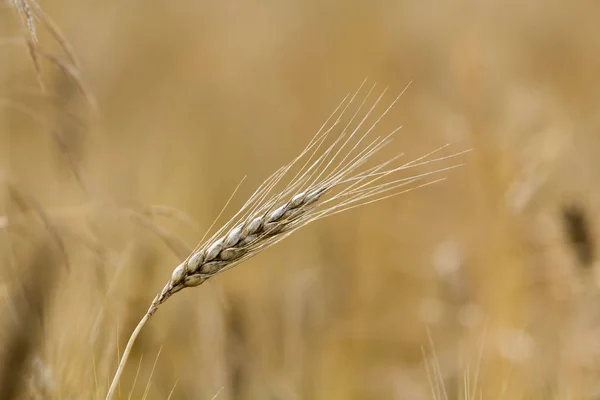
point(328, 177)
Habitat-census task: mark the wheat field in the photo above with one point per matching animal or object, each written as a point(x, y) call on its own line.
point(127, 126)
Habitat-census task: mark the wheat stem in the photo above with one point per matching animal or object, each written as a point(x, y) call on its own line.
point(130, 343)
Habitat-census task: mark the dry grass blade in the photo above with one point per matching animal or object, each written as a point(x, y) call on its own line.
point(29, 11)
point(71, 71)
point(55, 136)
point(170, 212)
point(328, 177)
point(57, 34)
point(26, 11)
point(26, 202)
point(174, 243)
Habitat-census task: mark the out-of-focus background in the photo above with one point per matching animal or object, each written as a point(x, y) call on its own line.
point(482, 286)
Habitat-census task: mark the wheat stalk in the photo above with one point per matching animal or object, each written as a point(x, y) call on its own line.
point(328, 179)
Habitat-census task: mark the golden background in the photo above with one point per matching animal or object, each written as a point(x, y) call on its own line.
point(470, 288)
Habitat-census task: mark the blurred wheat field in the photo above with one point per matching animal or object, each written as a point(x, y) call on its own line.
point(482, 286)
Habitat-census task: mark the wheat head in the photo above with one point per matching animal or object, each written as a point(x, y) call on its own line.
point(327, 177)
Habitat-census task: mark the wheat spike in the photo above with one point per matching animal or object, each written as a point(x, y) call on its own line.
point(328, 179)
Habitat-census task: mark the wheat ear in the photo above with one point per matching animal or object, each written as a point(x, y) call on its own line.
point(328, 179)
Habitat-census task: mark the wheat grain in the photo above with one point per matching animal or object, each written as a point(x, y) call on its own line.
point(328, 180)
